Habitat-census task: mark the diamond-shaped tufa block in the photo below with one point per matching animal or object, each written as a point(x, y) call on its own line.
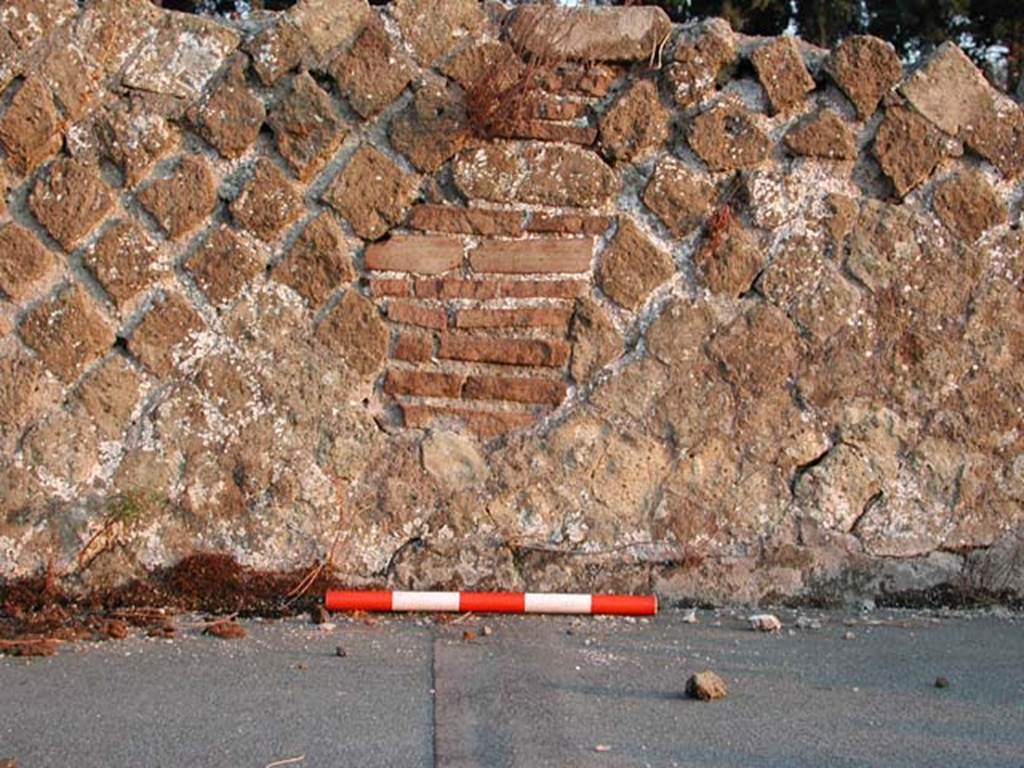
point(223, 265)
point(373, 73)
point(306, 126)
point(125, 261)
point(67, 333)
point(134, 138)
point(269, 202)
point(165, 336)
point(318, 261)
point(372, 192)
point(232, 116)
point(24, 262)
point(70, 201)
point(109, 394)
point(181, 202)
point(30, 128)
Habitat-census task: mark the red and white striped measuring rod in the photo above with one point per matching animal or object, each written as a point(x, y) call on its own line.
point(491, 602)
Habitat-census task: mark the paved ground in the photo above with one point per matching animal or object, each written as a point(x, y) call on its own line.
point(537, 692)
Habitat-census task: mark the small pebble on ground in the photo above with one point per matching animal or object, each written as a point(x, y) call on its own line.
point(706, 686)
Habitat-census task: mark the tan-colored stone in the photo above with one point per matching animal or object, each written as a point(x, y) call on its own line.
point(67, 332)
point(698, 64)
point(433, 128)
point(824, 135)
point(780, 68)
point(276, 50)
point(355, 333)
point(726, 137)
point(231, 117)
point(318, 262)
point(73, 78)
point(20, 379)
point(908, 148)
point(632, 266)
point(595, 340)
point(28, 21)
point(706, 686)
point(680, 197)
point(373, 73)
point(125, 261)
point(109, 395)
point(24, 262)
point(166, 336)
point(30, 129)
point(183, 200)
point(434, 29)
point(532, 172)
point(135, 137)
point(729, 260)
point(967, 204)
point(533, 255)
point(759, 349)
point(636, 124)
point(372, 192)
point(329, 24)
point(223, 265)
point(70, 201)
point(422, 254)
point(63, 447)
point(453, 459)
point(589, 34)
point(949, 90)
point(306, 126)
point(485, 424)
point(866, 69)
point(268, 202)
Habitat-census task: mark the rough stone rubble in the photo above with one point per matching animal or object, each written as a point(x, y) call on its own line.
point(714, 329)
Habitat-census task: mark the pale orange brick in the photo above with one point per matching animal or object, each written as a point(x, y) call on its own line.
point(486, 424)
point(384, 286)
point(482, 349)
point(569, 223)
point(430, 217)
point(515, 389)
point(413, 313)
point(517, 317)
point(423, 254)
point(534, 255)
point(414, 348)
point(457, 288)
point(423, 383)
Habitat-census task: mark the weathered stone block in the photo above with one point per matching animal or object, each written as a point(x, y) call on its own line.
point(632, 266)
point(422, 254)
point(908, 148)
point(470, 221)
point(306, 126)
point(30, 129)
point(318, 262)
point(223, 265)
point(166, 336)
point(184, 200)
point(967, 204)
point(125, 261)
point(636, 124)
point(28, 21)
point(681, 198)
point(433, 128)
point(373, 73)
point(24, 262)
point(268, 203)
point(726, 137)
point(20, 377)
point(531, 172)
point(371, 192)
point(595, 340)
point(865, 69)
point(276, 50)
point(329, 24)
point(434, 29)
point(759, 349)
point(231, 117)
point(355, 333)
point(589, 34)
point(485, 424)
point(533, 255)
point(68, 332)
point(135, 138)
point(70, 200)
point(824, 135)
point(698, 64)
point(782, 72)
point(109, 395)
point(728, 262)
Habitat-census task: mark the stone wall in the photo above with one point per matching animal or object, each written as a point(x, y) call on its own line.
point(674, 308)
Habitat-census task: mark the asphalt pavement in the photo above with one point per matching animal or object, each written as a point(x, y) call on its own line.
point(848, 690)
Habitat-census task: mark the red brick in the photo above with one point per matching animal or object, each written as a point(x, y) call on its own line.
point(456, 288)
point(383, 286)
point(533, 255)
point(543, 130)
point(413, 313)
point(569, 223)
point(486, 424)
point(414, 348)
point(423, 383)
point(423, 254)
point(481, 349)
point(519, 317)
point(470, 221)
point(517, 390)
